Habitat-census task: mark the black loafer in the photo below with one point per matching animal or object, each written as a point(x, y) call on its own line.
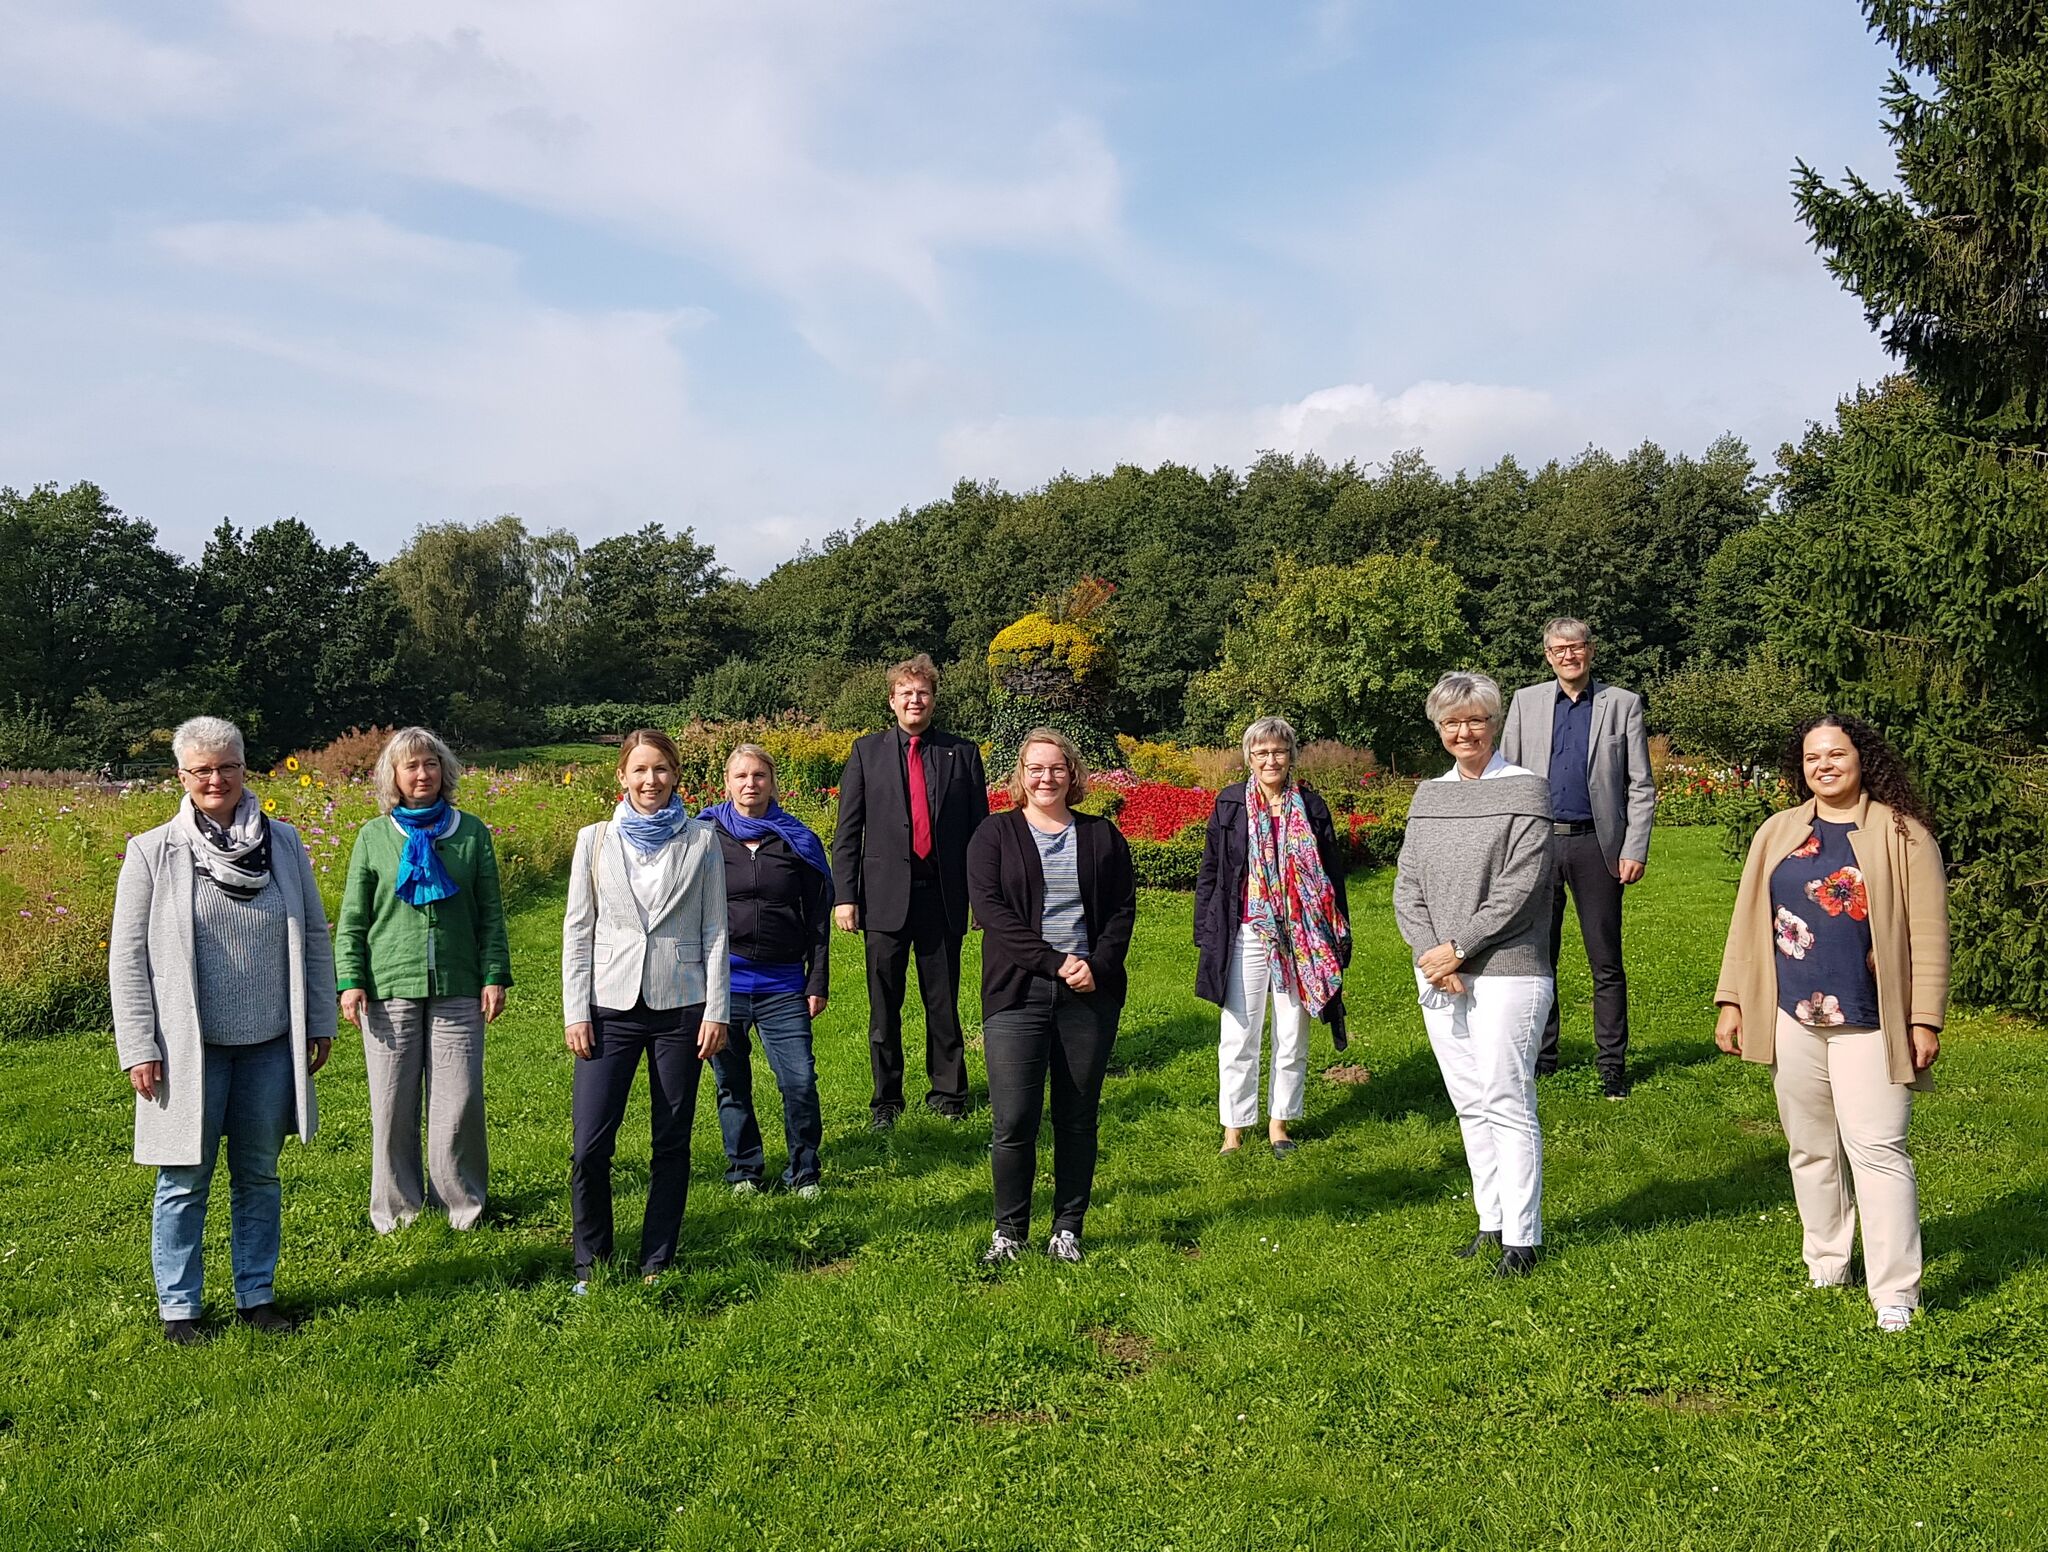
point(267, 1318)
point(183, 1333)
point(1480, 1241)
point(1614, 1085)
point(884, 1120)
point(1515, 1261)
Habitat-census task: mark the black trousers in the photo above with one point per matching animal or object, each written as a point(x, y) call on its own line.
point(937, 951)
point(601, 1088)
point(1582, 870)
point(1067, 1038)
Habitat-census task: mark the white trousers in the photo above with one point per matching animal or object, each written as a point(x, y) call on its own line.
point(1252, 985)
point(1485, 1044)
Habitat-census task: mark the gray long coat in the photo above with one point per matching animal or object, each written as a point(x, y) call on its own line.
point(1618, 775)
point(152, 975)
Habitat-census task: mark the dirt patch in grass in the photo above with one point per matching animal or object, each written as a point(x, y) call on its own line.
point(1010, 1417)
point(836, 1268)
point(1750, 1127)
point(1125, 1351)
point(1351, 1073)
point(1191, 1250)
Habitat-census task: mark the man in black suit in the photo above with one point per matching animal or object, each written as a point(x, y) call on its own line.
point(908, 804)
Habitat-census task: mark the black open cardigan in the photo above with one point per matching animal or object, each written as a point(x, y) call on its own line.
point(1219, 887)
point(1006, 885)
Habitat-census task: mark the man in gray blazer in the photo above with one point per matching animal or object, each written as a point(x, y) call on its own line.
point(1588, 739)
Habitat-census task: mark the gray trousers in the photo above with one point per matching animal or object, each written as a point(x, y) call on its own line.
point(433, 1048)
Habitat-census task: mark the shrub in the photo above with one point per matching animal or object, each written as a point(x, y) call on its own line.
point(737, 690)
point(807, 757)
point(351, 757)
point(1217, 767)
point(1173, 864)
point(608, 719)
point(1154, 811)
point(1735, 716)
point(30, 741)
point(1148, 761)
point(1336, 770)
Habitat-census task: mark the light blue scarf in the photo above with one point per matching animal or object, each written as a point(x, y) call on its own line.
point(421, 878)
point(648, 833)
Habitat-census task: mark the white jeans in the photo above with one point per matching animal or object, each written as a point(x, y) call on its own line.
point(1485, 1044)
point(1244, 1025)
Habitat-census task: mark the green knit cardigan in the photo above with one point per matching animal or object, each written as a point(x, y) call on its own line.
point(452, 948)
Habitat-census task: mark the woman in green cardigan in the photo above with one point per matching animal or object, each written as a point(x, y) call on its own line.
point(422, 962)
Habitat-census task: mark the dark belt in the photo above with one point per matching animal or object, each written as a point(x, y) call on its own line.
point(1572, 826)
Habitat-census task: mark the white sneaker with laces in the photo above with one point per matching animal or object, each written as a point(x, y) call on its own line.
point(1894, 1317)
point(810, 1191)
point(1065, 1245)
point(1001, 1248)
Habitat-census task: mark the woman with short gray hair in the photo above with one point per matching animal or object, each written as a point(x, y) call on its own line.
point(424, 964)
point(222, 982)
point(1472, 899)
point(1272, 925)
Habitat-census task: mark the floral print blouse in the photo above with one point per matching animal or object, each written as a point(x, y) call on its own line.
point(1821, 924)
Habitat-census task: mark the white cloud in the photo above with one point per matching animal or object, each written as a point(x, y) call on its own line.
point(1455, 424)
point(95, 66)
point(353, 252)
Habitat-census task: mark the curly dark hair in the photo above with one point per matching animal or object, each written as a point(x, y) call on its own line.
point(1884, 774)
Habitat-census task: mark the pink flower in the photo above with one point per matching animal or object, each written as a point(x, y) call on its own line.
point(1794, 936)
point(1819, 1009)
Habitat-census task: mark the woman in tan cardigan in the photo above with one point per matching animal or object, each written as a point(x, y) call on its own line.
point(1836, 976)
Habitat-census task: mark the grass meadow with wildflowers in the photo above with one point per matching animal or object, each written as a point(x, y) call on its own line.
point(1258, 1352)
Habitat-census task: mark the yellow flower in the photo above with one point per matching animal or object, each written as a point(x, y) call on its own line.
point(568, 778)
point(321, 784)
point(305, 781)
point(291, 762)
point(270, 805)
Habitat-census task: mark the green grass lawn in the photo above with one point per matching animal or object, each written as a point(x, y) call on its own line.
point(1257, 1353)
point(606, 755)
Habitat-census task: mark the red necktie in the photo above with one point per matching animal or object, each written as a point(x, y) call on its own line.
point(920, 803)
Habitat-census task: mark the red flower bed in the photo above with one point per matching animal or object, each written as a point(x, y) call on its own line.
point(1155, 811)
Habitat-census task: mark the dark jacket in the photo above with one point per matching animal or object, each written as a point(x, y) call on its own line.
point(779, 908)
point(1006, 882)
point(1219, 887)
point(871, 860)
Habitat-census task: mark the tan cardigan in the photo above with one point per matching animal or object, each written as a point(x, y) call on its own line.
point(1908, 931)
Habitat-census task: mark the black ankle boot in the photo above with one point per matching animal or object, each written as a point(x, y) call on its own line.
point(1480, 1241)
point(1515, 1261)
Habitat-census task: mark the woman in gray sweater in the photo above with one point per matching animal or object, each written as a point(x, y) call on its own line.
point(222, 979)
point(1472, 899)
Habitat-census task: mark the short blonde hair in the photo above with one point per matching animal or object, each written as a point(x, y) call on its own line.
point(1457, 690)
point(755, 752)
point(919, 667)
point(404, 745)
point(1077, 768)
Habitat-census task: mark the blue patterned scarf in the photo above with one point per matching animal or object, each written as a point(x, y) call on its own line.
point(648, 833)
point(777, 821)
point(421, 878)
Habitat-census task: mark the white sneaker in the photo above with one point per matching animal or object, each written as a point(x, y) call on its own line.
point(1894, 1317)
point(809, 1191)
point(1001, 1248)
point(1823, 1282)
point(745, 1188)
point(581, 1289)
point(1065, 1245)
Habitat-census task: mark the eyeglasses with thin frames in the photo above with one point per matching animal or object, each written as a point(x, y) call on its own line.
point(1466, 724)
point(209, 772)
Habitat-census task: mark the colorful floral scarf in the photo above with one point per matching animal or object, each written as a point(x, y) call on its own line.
point(1289, 902)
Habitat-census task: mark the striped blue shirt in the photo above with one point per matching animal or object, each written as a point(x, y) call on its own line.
point(1065, 927)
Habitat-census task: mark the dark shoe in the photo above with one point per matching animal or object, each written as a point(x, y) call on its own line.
point(885, 1119)
point(1614, 1085)
point(1543, 1071)
point(184, 1333)
point(1515, 1261)
point(1284, 1146)
point(267, 1318)
point(1480, 1241)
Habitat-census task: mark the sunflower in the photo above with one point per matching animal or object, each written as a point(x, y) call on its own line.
point(270, 805)
point(305, 780)
point(291, 762)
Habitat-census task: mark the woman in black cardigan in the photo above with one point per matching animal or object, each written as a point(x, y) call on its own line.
point(1056, 898)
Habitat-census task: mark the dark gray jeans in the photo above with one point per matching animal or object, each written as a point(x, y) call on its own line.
point(1582, 869)
point(1066, 1038)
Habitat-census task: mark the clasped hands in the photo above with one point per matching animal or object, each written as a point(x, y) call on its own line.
point(1439, 967)
point(1075, 972)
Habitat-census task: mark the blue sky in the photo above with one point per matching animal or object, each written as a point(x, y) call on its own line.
point(768, 269)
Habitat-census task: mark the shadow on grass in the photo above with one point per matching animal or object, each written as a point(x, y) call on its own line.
point(2002, 1238)
point(1744, 1185)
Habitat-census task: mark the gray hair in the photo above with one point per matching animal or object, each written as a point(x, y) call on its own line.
point(1457, 690)
point(753, 752)
point(1566, 628)
point(204, 735)
point(1267, 729)
point(404, 745)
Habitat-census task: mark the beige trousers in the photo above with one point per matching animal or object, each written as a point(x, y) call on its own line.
point(1845, 1125)
point(432, 1048)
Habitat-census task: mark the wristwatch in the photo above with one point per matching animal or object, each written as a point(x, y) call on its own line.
point(1458, 950)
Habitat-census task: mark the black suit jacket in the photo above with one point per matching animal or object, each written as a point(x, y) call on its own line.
point(1219, 887)
point(1006, 880)
point(871, 860)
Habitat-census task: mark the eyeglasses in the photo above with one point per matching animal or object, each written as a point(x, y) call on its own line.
point(1044, 772)
point(1271, 756)
point(1570, 649)
point(1466, 724)
point(209, 772)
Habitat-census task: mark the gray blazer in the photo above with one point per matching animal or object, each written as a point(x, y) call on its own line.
point(677, 954)
point(154, 981)
point(1618, 774)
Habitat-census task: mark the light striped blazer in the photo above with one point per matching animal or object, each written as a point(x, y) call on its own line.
point(672, 956)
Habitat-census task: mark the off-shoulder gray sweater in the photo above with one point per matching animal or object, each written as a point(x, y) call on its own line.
point(1475, 869)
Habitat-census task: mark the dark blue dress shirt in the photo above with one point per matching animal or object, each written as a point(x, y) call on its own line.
point(1571, 750)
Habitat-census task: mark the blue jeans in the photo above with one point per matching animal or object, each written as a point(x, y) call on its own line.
point(784, 1019)
point(248, 1101)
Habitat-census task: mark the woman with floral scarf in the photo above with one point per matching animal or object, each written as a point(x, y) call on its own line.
point(1272, 925)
